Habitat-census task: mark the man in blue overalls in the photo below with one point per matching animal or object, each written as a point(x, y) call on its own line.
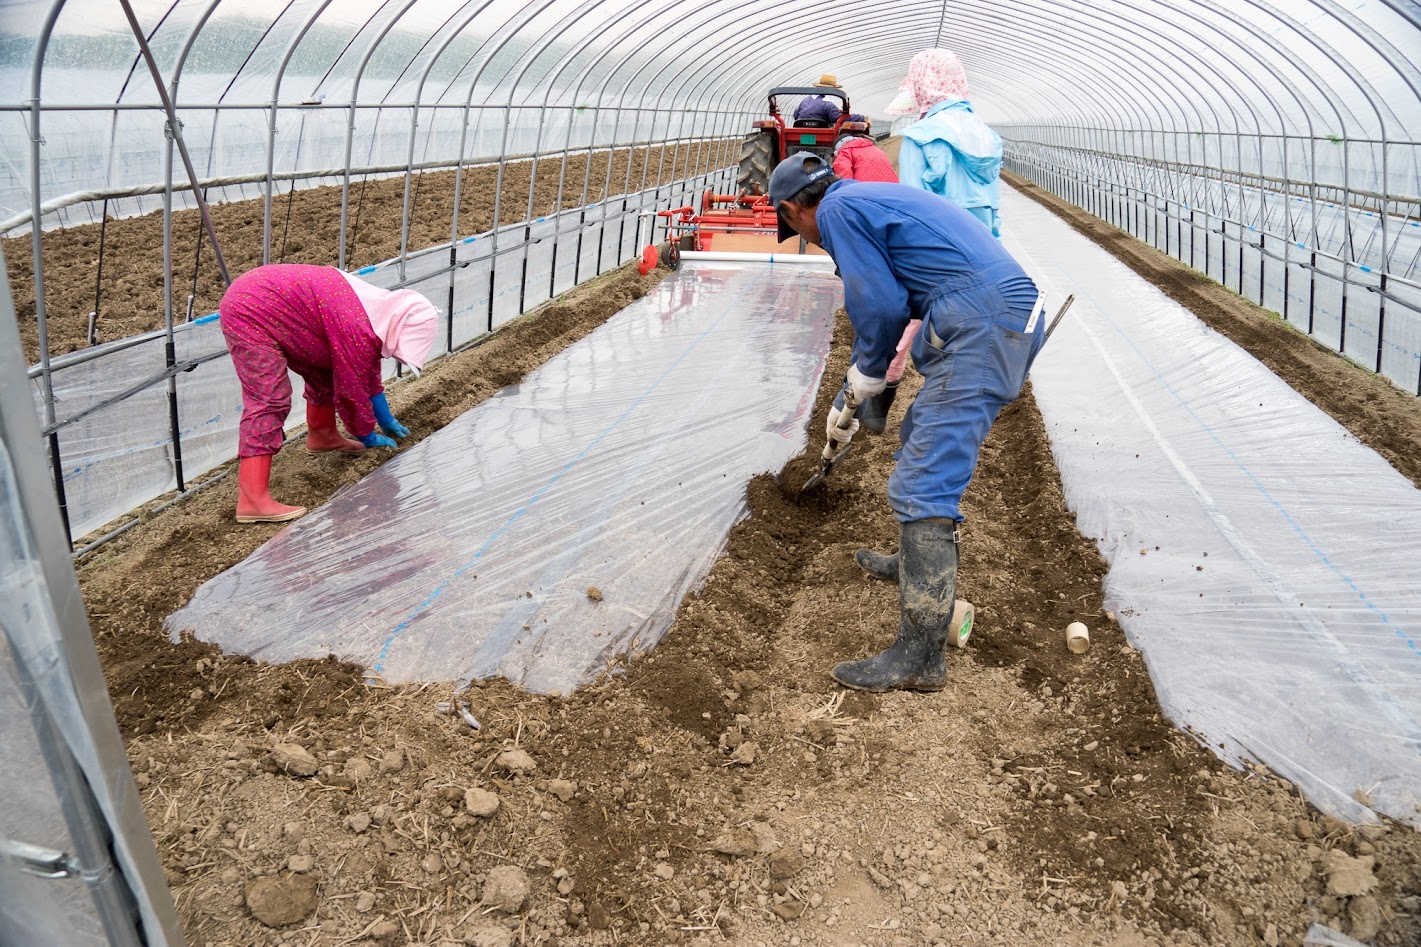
point(907, 254)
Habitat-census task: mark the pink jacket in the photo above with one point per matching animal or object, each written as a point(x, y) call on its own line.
point(862, 160)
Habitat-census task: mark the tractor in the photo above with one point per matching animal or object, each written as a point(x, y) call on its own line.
point(774, 139)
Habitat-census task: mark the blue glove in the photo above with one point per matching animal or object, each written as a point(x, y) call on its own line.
point(376, 439)
point(381, 406)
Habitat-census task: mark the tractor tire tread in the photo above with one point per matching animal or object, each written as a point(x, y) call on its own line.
point(757, 153)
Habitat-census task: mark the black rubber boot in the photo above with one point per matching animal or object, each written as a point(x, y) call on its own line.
point(927, 591)
point(874, 411)
point(879, 565)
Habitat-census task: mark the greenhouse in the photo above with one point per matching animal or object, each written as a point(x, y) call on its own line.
point(578, 472)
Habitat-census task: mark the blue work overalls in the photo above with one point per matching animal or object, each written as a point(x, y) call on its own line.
point(905, 253)
point(973, 352)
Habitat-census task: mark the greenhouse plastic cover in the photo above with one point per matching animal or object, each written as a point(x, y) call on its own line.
point(32, 810)
point(619, 466)
point(1262, 558)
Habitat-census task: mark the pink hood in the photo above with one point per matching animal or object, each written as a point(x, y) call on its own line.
point(404, 320)
point(934, 75)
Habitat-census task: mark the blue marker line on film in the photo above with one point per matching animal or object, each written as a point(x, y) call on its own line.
point(1258, 484)
point(439, 589)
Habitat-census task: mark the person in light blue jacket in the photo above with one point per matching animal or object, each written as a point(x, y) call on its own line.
point(949, 150)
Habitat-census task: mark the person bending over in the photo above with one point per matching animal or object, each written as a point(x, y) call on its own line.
point(903, 254)
point(332, 329)
point(858, 157)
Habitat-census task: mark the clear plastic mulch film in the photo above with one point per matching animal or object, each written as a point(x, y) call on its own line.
point(1320, 935)
point(1262, 558)
point(556, 526)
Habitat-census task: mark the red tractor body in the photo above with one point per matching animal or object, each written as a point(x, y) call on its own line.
point(779, 136)
point(745, 222)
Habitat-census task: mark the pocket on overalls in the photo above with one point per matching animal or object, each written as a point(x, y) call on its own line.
point(1012, 347)
point(1009, 361)
point(945, 331)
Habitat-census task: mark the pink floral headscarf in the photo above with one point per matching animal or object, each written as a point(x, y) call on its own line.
point(934, 75)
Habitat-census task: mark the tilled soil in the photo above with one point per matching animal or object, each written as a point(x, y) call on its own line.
point(305, 229)
point(721, 789)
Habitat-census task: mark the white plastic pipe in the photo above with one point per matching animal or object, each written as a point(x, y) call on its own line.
point(729, 256)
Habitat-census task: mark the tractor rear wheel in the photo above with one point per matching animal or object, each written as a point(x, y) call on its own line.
point(757, 159)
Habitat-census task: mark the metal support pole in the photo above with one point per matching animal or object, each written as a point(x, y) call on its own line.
point(1386, 254)
point(37, 248)
point(170, 353)
point(177, 135)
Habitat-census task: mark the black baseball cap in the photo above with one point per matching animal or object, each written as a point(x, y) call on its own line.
point(789, 178)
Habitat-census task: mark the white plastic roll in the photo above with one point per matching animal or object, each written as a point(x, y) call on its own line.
point(728, 256)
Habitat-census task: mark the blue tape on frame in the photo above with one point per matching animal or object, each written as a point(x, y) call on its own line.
point(366, 269)
point(204, 320)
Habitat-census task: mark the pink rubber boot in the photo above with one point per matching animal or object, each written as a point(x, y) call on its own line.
point(254, 502)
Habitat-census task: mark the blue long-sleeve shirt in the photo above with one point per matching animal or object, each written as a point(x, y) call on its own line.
point(816, 108)
point(894, 245)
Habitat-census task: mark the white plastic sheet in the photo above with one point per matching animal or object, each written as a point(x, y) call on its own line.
point(1261, 557)
point(619, 466)
point(1320, 935)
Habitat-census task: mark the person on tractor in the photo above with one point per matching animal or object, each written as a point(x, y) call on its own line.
point(816, 111)
point(857, 157)
point(904, 254)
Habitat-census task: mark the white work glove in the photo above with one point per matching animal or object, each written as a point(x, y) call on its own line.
point(864, 387)
point(839, 436)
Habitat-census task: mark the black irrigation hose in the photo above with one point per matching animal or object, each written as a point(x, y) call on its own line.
point(196, 264)
point(98, 277)
point(291, 194)
point(355, 224)
point(286, 227)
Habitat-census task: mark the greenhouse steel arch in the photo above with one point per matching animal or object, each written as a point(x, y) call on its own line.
point(1265, 143)
point(1270, 144)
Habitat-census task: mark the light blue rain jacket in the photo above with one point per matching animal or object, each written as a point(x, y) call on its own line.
point(953, 153)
